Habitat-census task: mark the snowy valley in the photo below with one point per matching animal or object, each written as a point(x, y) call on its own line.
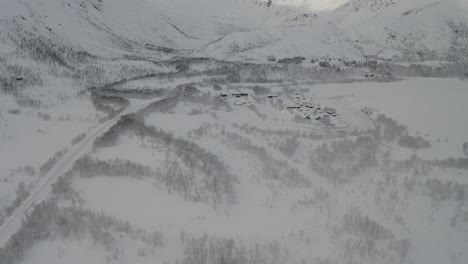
point(233, 131)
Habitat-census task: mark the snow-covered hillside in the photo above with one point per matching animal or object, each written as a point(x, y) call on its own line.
point(99, 27)
point(244, 29)
point(418, 29)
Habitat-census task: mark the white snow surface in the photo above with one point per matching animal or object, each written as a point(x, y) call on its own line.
point(310, 179)
point(247, 29)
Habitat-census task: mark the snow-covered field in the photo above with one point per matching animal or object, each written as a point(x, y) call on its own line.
point(428, 106)
point(282, 204)
point(233, 131)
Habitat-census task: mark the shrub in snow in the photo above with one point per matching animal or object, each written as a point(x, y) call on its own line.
point(62, 188)
point(217, 87)
point(215, 250)
point(356, 223)
point(459, 163)
point(272, 168)
point(439, 190)
point(50, 163)
point(217, 182)
point(341, 160)
point(21, 194)
point(182, 67)
point(324, 64)
point(260, 90)
point(78, 138)
point(89, 167)
point(294, 60)
point(414, 142)
point(234, 77)
point(48, 220)
point(253, 130)
point(110, 104)
point(15, 77)
point(46, 50)
point(391, 129)
point(14, 111)
point(289, 146)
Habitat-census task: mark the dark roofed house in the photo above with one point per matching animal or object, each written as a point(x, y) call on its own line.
point(238, 95)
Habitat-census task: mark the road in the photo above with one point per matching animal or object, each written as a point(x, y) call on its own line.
point(44, 188)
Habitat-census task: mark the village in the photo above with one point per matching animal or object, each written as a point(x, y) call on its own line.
point(307, 108)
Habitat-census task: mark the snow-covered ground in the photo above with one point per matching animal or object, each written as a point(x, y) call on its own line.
point(399, 214)
point(233, 131)
point(427, 106)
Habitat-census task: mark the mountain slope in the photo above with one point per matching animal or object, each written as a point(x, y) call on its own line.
point(98, 26)
point(417, 29)
point(245, 29)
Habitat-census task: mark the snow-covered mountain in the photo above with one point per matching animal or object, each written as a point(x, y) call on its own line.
point(405, 30)
point(97, 26)
point(246, 29)
point(417, 29)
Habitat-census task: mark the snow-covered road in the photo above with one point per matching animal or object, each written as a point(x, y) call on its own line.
point(42, 190)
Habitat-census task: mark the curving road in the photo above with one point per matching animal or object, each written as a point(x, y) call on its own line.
point(43, 189)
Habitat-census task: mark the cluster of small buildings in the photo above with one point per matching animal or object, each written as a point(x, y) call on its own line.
point(240, 98)
point(309, 109)
point(303, 105)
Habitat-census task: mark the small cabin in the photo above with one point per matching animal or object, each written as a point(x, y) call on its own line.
point(238, 95)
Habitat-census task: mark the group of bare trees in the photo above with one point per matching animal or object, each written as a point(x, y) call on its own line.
point(289, 146)
point(216, 250)
point(389, 129)
point(111, 105)
point(344, 159)
point(282, 133)
point(414, 142)
point(89, 167)
point(370, 237)
point(446, 190)
point(217, 182)
point(48, 220)
point(22, 192)
point(50, 163)
point(272, 168)
point(362, 226)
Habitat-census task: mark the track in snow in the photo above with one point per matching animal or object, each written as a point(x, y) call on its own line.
point(44, 188)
